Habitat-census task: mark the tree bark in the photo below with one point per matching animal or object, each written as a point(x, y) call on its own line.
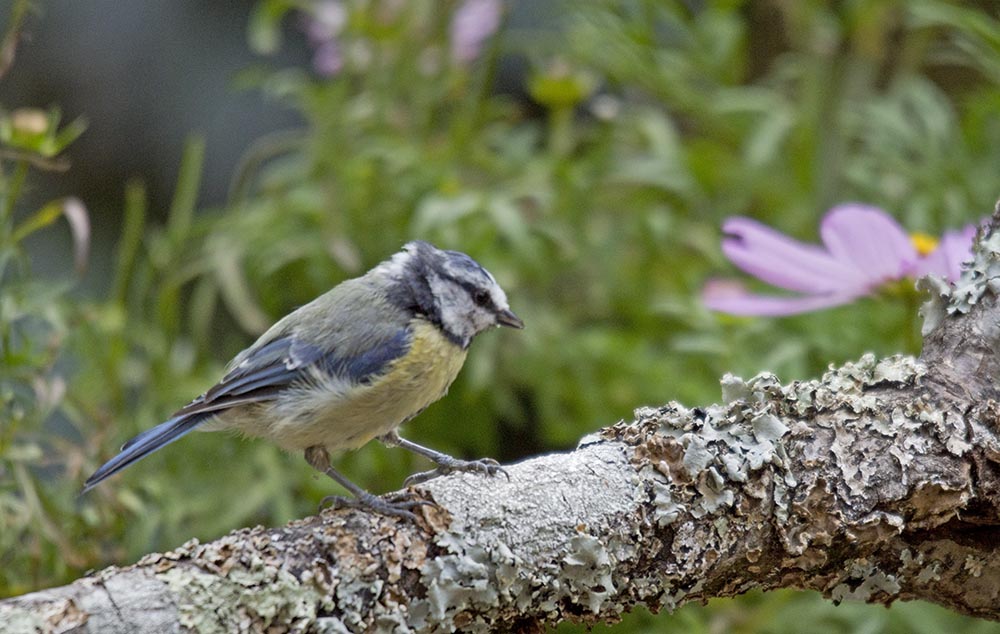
point(880, 481)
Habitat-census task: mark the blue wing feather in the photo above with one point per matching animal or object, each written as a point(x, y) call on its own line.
point(259, 377)
point(364, 367)
point(143, 445)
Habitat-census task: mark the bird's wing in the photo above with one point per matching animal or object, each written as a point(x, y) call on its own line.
point(269, 369)
point(260, 375)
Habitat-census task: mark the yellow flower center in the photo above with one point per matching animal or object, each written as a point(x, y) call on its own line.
point(923, 243)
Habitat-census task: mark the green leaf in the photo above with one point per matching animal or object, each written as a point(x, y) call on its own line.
point(79, 223)
point(264, 27)
point(186, 191)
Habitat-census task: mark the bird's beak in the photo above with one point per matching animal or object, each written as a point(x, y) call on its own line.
point(506, 317)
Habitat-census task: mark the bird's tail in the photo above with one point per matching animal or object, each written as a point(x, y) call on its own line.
point(144, 444)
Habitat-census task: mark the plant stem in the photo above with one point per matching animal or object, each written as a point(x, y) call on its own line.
point(11, 189)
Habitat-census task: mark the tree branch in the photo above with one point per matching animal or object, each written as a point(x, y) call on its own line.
point(880, 481)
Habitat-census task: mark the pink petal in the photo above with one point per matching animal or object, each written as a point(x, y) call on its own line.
point(957, 246)
point(328, 59)
point(326, 21)
point(473, 23)
point(946, 260)
point(730, 297)
point(779, 260)
point(871, 240)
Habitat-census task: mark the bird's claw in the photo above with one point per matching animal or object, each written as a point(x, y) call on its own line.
point(486, 466)
point(398, 506)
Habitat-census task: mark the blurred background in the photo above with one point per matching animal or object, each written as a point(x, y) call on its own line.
point(234, 160)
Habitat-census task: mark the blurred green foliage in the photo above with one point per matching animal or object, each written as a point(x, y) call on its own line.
point(597, 206)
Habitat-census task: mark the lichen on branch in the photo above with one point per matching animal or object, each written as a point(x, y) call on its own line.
point(879, 481)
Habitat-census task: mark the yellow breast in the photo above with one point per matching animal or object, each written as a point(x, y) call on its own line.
point(346, 418)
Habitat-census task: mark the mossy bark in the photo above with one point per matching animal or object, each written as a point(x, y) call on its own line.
point(879, 482)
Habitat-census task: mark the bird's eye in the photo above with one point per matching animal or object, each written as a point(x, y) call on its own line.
point(481, 297)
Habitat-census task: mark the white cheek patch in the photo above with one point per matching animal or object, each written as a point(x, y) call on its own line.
point(455, 305)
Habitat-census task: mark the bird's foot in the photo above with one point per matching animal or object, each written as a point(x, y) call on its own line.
point(400, 506)
point(487, 466)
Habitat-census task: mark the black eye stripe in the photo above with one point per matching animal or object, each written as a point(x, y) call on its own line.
point(479, 295)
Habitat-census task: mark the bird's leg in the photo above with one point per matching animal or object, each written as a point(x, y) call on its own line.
point(319, 458)
point(446, 464)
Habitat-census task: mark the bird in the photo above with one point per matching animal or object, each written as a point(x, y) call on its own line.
point(351, 366)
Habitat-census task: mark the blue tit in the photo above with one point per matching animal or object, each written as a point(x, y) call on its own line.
point(352, 365)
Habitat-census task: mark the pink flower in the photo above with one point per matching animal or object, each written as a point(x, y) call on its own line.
point(946, 260)
point(863, 249)
point(473, 23)
point(326, 20)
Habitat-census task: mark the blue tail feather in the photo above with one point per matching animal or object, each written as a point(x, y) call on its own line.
point(144, 444)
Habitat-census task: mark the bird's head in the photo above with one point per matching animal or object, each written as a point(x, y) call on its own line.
point(450, 289)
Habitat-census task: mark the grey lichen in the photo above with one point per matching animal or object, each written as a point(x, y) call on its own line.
point(979, 277)
point(463, 578)
point(587, 571)
point(487, 566)
point(821, 484)
point(733, 389)
point(848, 387)
point(935, 307)
point(261, 594)
point(864, 581)
point(755, 455)
point(696, 453)
point(716, 450)
point(973, 565)
point(748, 454)
point(665, 509)
point(62, 614)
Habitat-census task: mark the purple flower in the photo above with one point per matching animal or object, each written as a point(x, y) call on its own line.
point(863, 249)
point(473, 23)
point(323, 25)
point(946, 260)
point(328, 59)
